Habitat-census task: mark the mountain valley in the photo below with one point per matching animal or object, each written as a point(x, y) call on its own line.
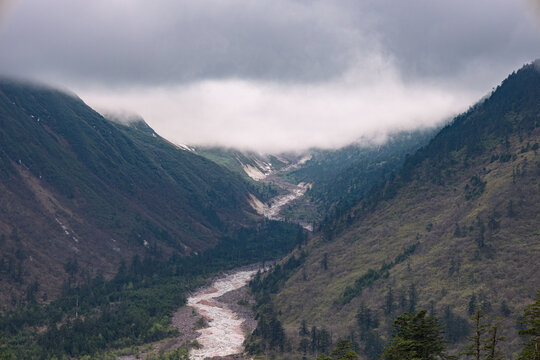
point(106, 228)
point(454, 231)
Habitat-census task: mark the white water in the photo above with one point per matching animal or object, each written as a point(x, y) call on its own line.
point(224, 336)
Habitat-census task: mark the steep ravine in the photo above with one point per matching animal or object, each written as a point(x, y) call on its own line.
point(272, 209)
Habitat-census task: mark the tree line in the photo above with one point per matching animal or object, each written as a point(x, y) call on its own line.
point(415, 336)
point(97, 315)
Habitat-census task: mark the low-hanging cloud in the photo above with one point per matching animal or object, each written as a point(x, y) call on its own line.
point(270, 117)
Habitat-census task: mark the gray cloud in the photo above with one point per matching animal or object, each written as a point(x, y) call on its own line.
point(172, 41)
point(448, 38)
point(300, 72)
point(268, 117)
point(5, 6)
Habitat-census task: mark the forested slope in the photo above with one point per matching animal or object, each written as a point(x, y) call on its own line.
point(341, 178)
point(78, 189)
point(456, 230)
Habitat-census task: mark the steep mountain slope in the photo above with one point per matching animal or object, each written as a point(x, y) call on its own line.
point(341, 178)
point(337, 179)
point(246, 163)
point(78, 189)
point(457, 229)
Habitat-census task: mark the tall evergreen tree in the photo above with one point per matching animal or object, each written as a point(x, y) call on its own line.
point(413, 298)
point(474, 349)
point(389, 302)
point(531, 320)
point(491, 344)
point(303, 331)
point(343, 351)
point(416, 337)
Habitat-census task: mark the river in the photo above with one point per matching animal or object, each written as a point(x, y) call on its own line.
point(224, 335)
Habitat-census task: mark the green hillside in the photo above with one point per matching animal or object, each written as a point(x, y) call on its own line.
point(457, 229)
point(341, 178)
point(75, 186)
point(234, 160)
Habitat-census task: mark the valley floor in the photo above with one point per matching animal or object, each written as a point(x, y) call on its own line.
point(215, 321)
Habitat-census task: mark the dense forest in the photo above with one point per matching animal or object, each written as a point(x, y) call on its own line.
point(94, 317)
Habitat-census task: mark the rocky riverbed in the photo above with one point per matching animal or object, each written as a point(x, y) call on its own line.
point(218, 317)
point(221, 306)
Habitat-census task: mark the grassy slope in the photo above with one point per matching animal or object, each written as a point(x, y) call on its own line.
point(432, 190)
point(113, 188)
point(234, 159)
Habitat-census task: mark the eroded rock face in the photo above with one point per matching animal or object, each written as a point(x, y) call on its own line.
point(224, 335)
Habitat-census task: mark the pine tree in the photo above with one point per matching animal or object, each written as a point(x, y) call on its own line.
point(389, 302)
point(303, 331)
point(531, 319)
point(314, 339)
point(472, 305)
point(325, 261)
point(416, 337)
point(475, 348)
point(491, 344)
point(413, 298)
point(303, 346)
point(343, 351)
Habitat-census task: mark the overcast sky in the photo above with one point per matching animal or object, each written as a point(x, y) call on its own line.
point(272, 75)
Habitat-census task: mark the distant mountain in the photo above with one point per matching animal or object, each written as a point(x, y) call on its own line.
point(76, 188)
point(248, 163)
point(341, 178)
point(457, 229)
point(338, 178)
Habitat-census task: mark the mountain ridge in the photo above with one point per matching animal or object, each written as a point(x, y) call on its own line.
point(466, 204)
point(77, 186)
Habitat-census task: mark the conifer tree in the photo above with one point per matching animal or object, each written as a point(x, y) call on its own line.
point(303, 331)
point(474, 349)
point(416, 337)
point(531, 319)
point(343, 351)
point(491, 344)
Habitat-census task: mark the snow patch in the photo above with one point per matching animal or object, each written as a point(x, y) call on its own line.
point(185, 147)
point(264, 167)
point(62, 226)
point(305, 159)
point(253, 172)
